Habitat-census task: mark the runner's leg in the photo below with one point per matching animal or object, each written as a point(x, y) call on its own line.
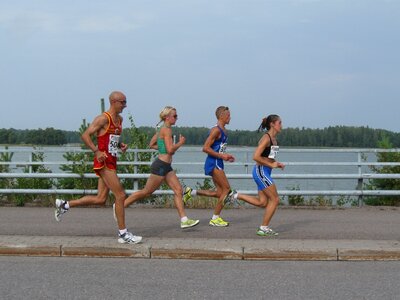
point(99, 199)
point(153, 183)
point(273, 200)
point(223, 187)
point(260, 201)
point(207, 193)
point(111, 180)
point(176, 186)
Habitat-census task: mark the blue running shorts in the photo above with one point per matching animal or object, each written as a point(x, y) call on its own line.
point(262, 177)
point(211, 164)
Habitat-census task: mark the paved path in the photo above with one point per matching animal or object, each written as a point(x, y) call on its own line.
point(368, 233)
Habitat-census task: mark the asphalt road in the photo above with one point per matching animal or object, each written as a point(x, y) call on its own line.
point(372, 223)
point(92, 278)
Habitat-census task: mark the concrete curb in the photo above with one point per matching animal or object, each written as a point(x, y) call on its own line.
point(210, 249)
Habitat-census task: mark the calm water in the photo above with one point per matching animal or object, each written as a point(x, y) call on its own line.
point(243, 155)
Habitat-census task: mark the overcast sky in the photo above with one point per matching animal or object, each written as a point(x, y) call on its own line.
point(315, 63)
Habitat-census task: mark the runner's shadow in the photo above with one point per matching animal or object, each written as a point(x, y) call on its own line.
point(172, 230)
point(287, 227)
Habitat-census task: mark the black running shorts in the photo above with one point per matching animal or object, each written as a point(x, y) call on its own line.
point(160, 168)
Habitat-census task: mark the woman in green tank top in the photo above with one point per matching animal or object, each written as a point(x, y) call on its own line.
point(161, 169)
point(161, 143)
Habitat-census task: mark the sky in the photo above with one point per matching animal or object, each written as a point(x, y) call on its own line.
point(314, 63)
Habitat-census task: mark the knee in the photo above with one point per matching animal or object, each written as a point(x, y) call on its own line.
point(146, 193)
point(120, 196)
point(275, 200)
point(100, 200)
point(178, 191)
point(263, 204)
point(224, 190)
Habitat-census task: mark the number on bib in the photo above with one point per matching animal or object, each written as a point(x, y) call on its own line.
point(274, 152)
point(222, 148)
point(113, 145)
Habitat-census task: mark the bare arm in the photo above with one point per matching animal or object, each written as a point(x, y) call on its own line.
point(94, 128)
point(153, 142)
point(264, 143)
point(214, 135)
point(122, 146)
point(166, 134)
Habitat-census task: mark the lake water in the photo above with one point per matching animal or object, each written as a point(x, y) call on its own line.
point(193, 154)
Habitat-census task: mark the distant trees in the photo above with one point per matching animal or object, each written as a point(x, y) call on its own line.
point(338, 136)
point(333, 136)
point(48, 136)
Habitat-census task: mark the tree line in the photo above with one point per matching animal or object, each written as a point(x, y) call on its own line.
point(333, 136)
point(48, 136)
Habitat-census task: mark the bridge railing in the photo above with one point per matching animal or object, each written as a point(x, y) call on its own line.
point(360, 175)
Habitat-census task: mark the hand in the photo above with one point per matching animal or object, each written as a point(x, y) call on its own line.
point(101, 156)
point(228, 157)
point(278, 164)
point(123, 147)
point(182, 139)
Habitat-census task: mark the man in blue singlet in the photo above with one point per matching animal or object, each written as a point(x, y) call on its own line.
point(215, 147)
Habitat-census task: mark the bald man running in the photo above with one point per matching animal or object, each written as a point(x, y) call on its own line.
point(107, 127)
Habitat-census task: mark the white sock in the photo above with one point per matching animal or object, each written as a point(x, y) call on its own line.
point(235, 195)
point(123, 231)
point(66, 205)
point(264, 227)
point(184, 219)
point(194, 193)
point(214, 217)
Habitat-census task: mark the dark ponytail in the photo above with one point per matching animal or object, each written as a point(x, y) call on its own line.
point(266, 122)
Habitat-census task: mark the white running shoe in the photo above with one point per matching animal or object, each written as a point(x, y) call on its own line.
point(229, 198)
point(266, 232)
point(129, 238)
point(60, 209)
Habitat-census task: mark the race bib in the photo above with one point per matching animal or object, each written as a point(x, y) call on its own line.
point(113, 145)
point(274, 152)
point(222, 148)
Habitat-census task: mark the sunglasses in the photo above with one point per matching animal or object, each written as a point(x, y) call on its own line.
point(122, 101)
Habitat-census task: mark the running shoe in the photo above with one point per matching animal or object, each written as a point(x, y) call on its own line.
point(187, 195)
point(229, 197)
point(219, 222)
point(189, 223)
point(114, 214)
point(266, 232)
point(60, 209)
point(234, 199)
point(129, 238)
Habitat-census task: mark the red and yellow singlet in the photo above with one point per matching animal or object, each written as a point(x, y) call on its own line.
point(108, 143)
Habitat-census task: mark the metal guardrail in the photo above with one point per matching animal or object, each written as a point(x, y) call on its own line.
point(202, 176)
point(360, 176)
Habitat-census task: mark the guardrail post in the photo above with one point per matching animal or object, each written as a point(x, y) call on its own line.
point(30, 161)
point(246, 167)
point(135, 169)
point(360, 180)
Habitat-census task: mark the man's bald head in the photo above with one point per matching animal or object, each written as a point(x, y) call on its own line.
point(117, 96)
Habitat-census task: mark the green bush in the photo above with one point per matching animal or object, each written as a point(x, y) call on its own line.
point(6, 183)
point(296, 200)
point(82, 162)
point(33, 183)
point(136, 140)
point(384, 184)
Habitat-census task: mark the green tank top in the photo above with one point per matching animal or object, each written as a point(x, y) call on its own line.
point(161, 144)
